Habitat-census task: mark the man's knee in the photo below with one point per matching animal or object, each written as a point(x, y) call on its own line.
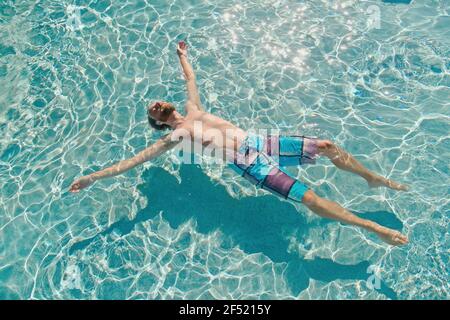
point(310, 198)
point(326, 148)
point(325, 144)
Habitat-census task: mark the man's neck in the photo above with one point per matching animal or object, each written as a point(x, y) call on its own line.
point(175, 120)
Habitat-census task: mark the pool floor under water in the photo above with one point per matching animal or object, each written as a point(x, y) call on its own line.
point(76, 76)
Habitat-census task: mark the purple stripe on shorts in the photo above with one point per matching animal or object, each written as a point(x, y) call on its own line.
point(310, 150)
point(273, 145)
point(279, 182)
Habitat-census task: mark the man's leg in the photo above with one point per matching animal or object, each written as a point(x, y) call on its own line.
point(331, 210)
point(345, 161)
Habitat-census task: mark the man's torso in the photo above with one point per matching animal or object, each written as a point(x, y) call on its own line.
point(211, 132)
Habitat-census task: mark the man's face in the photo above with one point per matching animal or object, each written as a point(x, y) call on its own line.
point(161, 111)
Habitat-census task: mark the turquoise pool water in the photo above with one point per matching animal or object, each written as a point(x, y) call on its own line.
point(75, 77)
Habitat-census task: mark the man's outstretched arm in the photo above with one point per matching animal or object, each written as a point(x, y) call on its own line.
point(192, 90)
point(155, 150)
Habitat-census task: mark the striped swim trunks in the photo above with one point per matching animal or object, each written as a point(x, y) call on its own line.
point(259, 159)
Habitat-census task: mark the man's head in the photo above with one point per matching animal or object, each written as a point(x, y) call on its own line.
point(158, 113)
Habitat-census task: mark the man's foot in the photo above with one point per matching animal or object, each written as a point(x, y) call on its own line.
point(383, 182)
point(392, 237)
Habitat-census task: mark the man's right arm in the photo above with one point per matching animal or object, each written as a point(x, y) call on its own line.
point(155, 150)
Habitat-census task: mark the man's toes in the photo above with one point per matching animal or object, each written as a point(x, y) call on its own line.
point(401, 239)
point(402, 187)
point(404, 239)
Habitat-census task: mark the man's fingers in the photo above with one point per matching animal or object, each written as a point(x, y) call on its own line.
point(182, 46)
point(75, 187)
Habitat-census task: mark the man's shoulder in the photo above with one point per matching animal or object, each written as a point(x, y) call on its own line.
point(193, 106)
point(196, 114)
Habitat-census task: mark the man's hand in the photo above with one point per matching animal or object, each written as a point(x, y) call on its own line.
point(81, 183)
point(182, 49)
point(191, 86)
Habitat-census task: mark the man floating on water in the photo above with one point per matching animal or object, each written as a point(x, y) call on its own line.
point(256, 157)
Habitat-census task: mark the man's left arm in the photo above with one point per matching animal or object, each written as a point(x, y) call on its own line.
point(189, 75)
